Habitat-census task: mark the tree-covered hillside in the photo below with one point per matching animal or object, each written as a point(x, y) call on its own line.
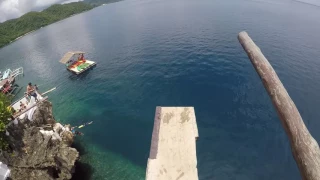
point(12, 29)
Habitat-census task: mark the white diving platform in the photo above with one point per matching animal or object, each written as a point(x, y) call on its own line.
point(173, 146)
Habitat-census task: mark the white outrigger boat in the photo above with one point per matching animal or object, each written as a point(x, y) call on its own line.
point(76, 63)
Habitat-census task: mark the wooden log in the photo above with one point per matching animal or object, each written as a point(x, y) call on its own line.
point(305, 148)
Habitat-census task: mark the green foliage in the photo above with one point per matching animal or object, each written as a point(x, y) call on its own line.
point(12, 29)
point(5, 114)
point(4, 145)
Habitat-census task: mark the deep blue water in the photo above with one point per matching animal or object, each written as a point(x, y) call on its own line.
point(179, 53)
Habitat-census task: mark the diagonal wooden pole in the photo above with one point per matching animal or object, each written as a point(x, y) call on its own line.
point(305, 148)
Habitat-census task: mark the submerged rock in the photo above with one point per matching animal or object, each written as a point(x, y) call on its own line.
point(40, 149)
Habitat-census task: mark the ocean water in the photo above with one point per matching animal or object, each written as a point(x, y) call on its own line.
point(178, 53)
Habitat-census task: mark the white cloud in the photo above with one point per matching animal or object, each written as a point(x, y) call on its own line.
point(10, 9)
point(314, 2)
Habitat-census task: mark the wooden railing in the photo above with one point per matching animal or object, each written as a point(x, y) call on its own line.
point(305, 148)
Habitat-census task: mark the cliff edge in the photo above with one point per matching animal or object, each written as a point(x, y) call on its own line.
point(40, 149)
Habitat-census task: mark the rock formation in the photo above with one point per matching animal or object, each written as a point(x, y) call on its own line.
point(40, 149)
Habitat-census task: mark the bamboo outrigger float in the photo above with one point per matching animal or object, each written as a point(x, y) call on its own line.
point(76, 63)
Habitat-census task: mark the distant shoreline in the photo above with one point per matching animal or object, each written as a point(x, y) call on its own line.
point(22, 36)
point(42, 27)
point(93, 5)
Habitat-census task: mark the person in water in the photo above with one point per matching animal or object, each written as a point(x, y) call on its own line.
point(78, 133)
point(85, 124)
point(88, 123)
point(31, 91)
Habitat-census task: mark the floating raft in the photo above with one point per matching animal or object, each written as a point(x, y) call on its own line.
point(88, 64)
point(76, 62)
point(173, 145)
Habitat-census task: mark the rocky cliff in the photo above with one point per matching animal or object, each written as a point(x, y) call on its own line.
point(40, 149)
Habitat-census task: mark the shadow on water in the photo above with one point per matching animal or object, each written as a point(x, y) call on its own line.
point(125, 135)
point(76, 144)
point(82, 170)
point(81, 76)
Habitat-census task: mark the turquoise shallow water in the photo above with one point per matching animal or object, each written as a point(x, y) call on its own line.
point(178, 53)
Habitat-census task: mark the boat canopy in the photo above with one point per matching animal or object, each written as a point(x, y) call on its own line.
point(69, 55)
point(6, 74)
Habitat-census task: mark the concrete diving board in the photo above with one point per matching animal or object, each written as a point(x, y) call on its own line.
point(173, 146)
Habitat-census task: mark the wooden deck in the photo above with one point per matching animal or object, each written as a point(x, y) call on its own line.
point(173, 146)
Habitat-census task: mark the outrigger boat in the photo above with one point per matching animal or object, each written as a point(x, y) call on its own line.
point(7, 81)
point(11, 73)
point(7, 86)
point(76, 63)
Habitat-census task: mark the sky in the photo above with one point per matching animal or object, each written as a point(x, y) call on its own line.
point(10, 9)
point(315, 2)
